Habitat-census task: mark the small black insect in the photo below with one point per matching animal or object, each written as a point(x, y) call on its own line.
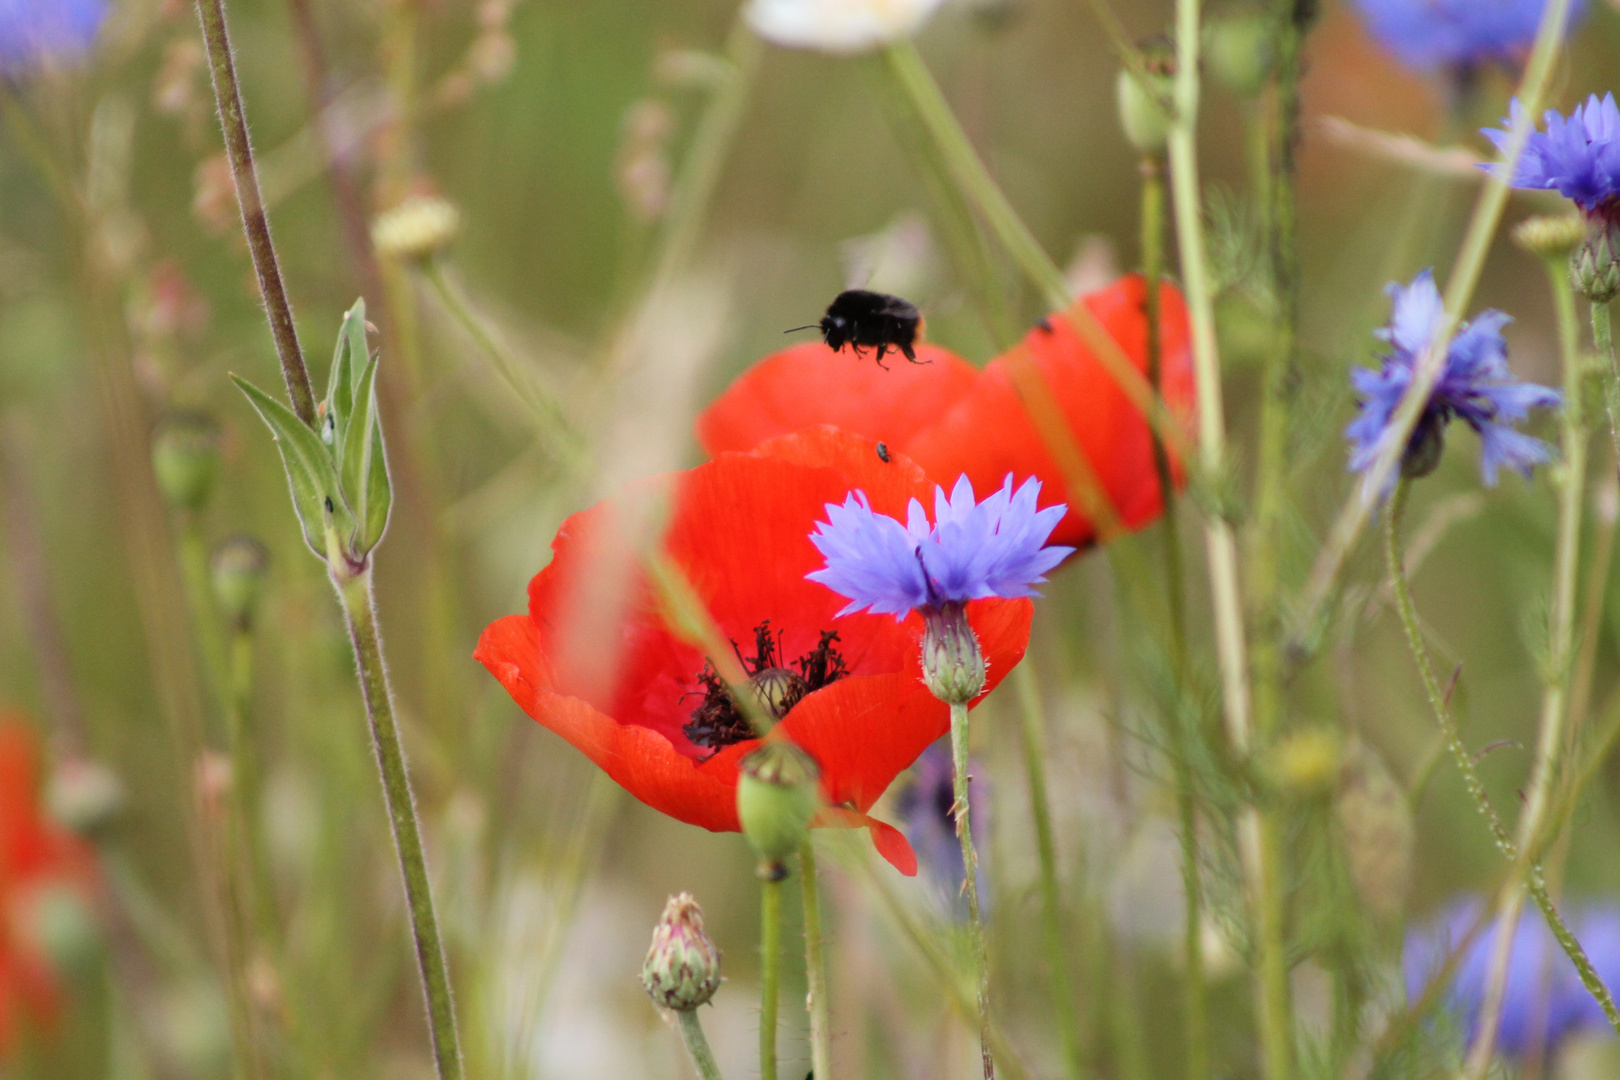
point(1045, 325)
point(883, 452)
point(863, 319)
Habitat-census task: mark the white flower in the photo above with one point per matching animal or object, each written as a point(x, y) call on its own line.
point(837, 26)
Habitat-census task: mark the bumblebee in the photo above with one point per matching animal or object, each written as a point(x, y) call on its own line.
point(863, 319)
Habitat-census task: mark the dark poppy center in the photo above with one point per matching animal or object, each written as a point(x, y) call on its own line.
point(717, 721)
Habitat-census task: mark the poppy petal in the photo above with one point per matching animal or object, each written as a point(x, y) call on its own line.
point(1108, 428)
point(890, 842)
point(811, 384)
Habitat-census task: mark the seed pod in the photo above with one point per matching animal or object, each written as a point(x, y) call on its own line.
point(777, 795)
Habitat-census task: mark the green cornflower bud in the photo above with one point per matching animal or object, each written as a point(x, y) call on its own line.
point(417, 229)
point(1143, 113)
point(1593, 268)
point(64, 928)
point(778, 792)
point(1238, 50)
point(1552, 236)
point(185, 458)
point(682, 969)
point(952, 662)
point(237, 572)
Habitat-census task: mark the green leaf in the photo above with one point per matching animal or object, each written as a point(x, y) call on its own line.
point(379, 493)
point(339, 396)
point(354, 329)
point(354, 465)
point(310, 474)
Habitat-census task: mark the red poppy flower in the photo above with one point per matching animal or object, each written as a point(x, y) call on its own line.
point(981, 426)
point(38, 859)
point(597, 660)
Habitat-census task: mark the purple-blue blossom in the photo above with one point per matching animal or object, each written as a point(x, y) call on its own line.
point(972, 551)
point(924, 804)
point(1429, 34)
point(1578, 157)
point(1544, 1002)
point(1476, 386)
point(33, 32)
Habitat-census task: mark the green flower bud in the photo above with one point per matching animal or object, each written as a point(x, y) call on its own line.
point(417, 229)
point(65, 929)
point(682, 969)
point(1552, 236)
point(1306, 763)
point(185, 458)
point(1592, 266)
point(1142, 109)
point(237, 572)
point(84, 796)
point(778, 792)
point(1238, 52)
point(952, 663)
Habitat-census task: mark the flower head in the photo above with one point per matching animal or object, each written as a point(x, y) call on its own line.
point(682, 969)
point(1476, 386)
point(599, 660)
point(33, 32)
point(1428, 34)
point(1578, 157)
point(974, 550)
point(953, 419)
point(838, 26)
point(925, 804)
point(1544, 1002)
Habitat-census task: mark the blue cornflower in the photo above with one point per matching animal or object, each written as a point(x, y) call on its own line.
point(1578, 157)
point(1544, 1002)
point(1429, 34)
point(1476, 386)
point(37, 31)
point(925, 805)
point(972, 551)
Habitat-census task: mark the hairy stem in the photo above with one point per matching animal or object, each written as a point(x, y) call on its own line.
point(1057, 958)
point(360, 608)
point(255, 223)
point(819, 1003)
point(1603, 341)
point(770, 964)
point(697, 1045)
point(970, 883)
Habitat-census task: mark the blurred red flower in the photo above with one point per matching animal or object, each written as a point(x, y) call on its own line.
point(597, 660)
point(40, 861)
point(952, 420)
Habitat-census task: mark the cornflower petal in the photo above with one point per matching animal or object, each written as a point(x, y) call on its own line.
point(973, 550)
point(1577, 156)
point(33, 32)
point(1476, 386)
point(1429, 34)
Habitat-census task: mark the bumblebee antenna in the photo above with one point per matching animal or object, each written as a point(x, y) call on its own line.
point(796, 329)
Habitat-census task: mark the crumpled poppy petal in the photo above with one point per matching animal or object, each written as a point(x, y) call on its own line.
point(890, 842)
point(988, 434)
point(641, 761)
point(810, 384)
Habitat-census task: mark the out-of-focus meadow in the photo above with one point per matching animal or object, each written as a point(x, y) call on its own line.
point(564, 134)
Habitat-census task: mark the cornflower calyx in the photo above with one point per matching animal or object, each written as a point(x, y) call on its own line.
point(682, 969)
point(952, 664)
point(1594, 270)
point(1475, 385)
point(718, 722)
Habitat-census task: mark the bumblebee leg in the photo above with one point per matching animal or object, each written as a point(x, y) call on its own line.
point(883, 347)
point(911, 354)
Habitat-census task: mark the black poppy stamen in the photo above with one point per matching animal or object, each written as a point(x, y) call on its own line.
point(718, 722)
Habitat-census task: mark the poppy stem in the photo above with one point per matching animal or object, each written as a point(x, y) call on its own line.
point(1034, 725)
point(819, 1001)
point(770, 961)
point(970, 879)
point(359, 606)
point(697, 1045)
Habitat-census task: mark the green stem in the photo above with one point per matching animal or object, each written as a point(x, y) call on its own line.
point(697, 1044)
point(1057, 958)
point(1513, 893)
point(1603, 341)
point(360, 608)
point(819, 1003)
point(770, 960)
point(970, 882)
point(969, 172)
point(255, 223)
